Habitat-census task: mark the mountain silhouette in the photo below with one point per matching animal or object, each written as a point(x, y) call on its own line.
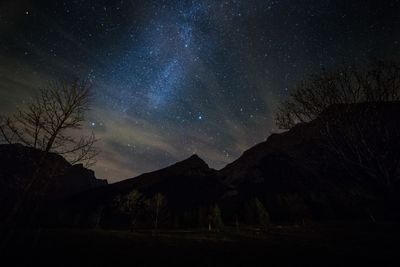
point(301, 174)
point(304, 167)
point(187, 185)
point(28, 171)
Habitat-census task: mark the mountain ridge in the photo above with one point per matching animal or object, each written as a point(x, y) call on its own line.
point(294, 174)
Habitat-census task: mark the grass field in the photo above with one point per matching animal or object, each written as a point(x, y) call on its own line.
point(319, 245)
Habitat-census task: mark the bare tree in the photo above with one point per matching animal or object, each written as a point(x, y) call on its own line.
point(156, 207)
point(377, 82)
point(357, 109)
point(364, 139)
point(50, 121)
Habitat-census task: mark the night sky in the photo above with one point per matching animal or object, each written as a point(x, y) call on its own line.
point(174, 78)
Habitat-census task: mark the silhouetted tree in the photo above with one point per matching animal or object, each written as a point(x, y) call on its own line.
point(364, 139)
point(360, 135)
point(377, 82)
point(201, 218)
point(237, 224)
point(256, 214)
point(96, 216)
point(249, 213)
point(131, 205)
point(156, 206)
point(294, 207)
point(215, 219)
point(49, 122)
point(263, 217)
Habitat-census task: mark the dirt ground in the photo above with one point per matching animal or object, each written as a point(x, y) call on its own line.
point(336, 244)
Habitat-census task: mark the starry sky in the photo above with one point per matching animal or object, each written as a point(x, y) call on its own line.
point(173, 78)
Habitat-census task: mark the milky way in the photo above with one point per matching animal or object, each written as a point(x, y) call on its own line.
point(173, 78)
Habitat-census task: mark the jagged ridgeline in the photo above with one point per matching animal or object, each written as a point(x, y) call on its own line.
point(342, 165)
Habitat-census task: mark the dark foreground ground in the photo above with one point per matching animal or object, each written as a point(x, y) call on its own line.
point(317, 245)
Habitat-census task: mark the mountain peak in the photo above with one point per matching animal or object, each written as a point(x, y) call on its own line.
point(194, 161)
point(193, 164)
point(195, 157)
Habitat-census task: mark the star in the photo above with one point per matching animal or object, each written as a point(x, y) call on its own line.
point(171, 77)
